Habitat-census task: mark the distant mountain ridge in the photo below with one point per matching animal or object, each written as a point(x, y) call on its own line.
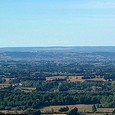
point(84, 49)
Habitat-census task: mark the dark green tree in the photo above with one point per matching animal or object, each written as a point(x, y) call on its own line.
point(73, 112)
point(64, 109)
point(113, 113)
point(94, 109)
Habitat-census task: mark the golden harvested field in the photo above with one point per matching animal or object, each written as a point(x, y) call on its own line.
point(81, 108)
point(105, 109)
point(11, 111)
point(55, 78)
point(28, 89)
point(73, 78)
point(4, 85)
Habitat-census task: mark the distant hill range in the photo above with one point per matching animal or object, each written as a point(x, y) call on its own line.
point(85, 49)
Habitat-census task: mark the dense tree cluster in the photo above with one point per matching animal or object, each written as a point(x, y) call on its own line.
point(22, 100)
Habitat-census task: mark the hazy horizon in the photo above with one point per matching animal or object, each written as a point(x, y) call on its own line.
point(50, 23)
point(45, 46)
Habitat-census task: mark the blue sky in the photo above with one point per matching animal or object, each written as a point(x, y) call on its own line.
point(57, 23)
